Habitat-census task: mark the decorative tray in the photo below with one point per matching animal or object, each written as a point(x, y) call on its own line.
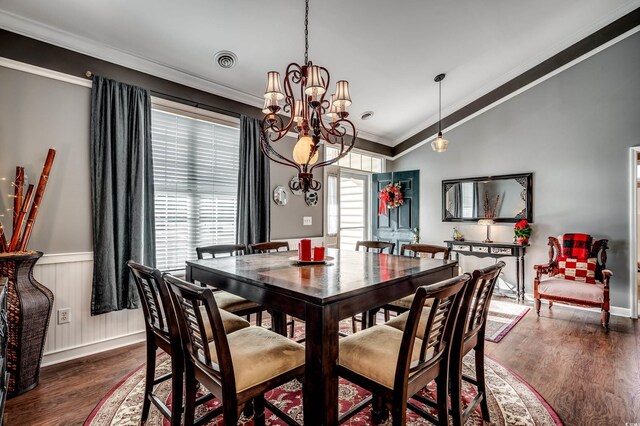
point(294, 259)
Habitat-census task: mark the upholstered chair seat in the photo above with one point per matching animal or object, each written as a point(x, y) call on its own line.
point(230, 321)
point(405, 302)
point(400, 321)
point(258, 355)
point(373, 353)
point(572, 290)
point(232, 303)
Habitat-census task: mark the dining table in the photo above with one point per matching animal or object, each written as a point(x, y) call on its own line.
point(322, 295)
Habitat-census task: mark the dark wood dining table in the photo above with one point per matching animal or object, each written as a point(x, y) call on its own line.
point(321, 295)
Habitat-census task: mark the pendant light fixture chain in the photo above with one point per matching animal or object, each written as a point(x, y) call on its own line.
point(306, 33)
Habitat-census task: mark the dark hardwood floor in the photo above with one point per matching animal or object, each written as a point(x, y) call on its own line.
point(588, 375)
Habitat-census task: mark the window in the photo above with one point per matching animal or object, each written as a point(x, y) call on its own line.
point(356, 160)
point(195, 168)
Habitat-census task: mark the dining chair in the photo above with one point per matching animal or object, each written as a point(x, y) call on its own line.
point(228, 301)
point(469, 334)
point(414, 250)
point(268, 247)
point(376, 246)
point(162, 332)
point(367, 319)
point(237, 368)
point(230, 249)
point(394, 365)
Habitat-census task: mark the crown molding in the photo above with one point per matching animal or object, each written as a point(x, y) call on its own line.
point(66, 40)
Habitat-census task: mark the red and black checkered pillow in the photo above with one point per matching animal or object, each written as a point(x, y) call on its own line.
point(577, 246)
point(583, 270)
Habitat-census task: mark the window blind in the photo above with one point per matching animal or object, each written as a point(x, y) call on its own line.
point(195, 167)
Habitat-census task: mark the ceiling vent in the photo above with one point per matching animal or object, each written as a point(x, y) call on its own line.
point(226, 59)
point(366, 115)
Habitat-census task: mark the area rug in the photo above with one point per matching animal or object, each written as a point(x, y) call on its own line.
point(503, 316)
point(511, 400)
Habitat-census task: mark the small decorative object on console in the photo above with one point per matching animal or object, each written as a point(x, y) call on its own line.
point(457, 236)
point(390, 198)
point(522, 232)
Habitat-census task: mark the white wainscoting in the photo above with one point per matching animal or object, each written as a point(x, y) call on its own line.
point(69, 277)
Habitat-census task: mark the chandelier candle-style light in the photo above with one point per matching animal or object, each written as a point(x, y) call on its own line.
point(317, 117)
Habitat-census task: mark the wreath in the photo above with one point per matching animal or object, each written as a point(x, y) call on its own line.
point(390, 198)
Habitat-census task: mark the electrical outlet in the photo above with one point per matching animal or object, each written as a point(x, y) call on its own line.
point(64, 316)
point(307, 220)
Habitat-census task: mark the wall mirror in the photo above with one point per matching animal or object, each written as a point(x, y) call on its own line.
point(506, 198)
point(280, 195)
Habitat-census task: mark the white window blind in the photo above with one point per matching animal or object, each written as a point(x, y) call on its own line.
point(195, 167)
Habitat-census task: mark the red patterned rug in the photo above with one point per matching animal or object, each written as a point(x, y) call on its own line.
point(511, 400)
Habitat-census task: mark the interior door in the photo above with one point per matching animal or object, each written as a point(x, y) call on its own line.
point(397, 224)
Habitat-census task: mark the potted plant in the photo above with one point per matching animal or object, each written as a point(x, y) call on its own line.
point(522, 232)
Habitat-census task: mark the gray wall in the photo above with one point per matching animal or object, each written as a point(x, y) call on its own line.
point(37, 113)
point(286, 221)
point(573, 132)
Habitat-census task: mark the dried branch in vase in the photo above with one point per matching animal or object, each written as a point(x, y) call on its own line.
point(489, 209)
point(29, 203)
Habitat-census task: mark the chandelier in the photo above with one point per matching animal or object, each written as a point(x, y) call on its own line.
point(318, 118)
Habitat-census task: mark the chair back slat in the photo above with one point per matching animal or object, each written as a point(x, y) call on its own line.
point(419, 249)
point(156, 302)
point(376, 246)
point(435, 346)
point(230, 249)
point(268, 247)
point(188, 299)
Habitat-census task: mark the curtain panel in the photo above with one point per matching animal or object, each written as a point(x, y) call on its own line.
point(253, 213)
point(121, 191)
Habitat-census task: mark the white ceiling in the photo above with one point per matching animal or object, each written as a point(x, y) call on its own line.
point(388, 50)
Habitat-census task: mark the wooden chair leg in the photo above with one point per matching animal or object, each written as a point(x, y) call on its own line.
point(354, 328)
point(480, 378)
point(248, 409)
point(258, 416)
point(259, 319)
point(379, 412)
point(387, 316)
point(456, 390)
point(538, 303)
point(442, 382)
point(177, 381)
point(399, 413)
point(372, 317)
point(149, 378)
point(605, 319)
point(191, 385)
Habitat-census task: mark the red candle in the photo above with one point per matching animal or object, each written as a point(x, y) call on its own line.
point(304, 251)
point(318, 253)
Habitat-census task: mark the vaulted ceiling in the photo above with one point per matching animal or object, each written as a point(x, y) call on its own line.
point(390, 51)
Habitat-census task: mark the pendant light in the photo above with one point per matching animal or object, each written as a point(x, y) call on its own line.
point(439, 144)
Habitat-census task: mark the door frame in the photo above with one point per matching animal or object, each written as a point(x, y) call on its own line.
point(347, 172)
point(634, 151)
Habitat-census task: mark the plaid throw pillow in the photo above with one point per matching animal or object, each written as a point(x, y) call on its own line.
point(583, 270)
point(577, 246)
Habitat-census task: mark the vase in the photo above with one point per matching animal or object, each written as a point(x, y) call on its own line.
point(523, 241)
point(29, 306)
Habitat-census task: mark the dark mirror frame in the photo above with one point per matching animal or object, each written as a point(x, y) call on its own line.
point(527, 178)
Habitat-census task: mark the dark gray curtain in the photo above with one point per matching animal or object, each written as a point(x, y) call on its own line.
point(121, 191)
point(253, 186)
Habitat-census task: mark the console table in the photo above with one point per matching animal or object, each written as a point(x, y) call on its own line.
point(495, 250)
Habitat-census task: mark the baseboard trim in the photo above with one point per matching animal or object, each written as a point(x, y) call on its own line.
point(80, 351)
point(613, 310)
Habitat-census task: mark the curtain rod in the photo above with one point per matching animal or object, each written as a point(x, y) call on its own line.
point(89, 75)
